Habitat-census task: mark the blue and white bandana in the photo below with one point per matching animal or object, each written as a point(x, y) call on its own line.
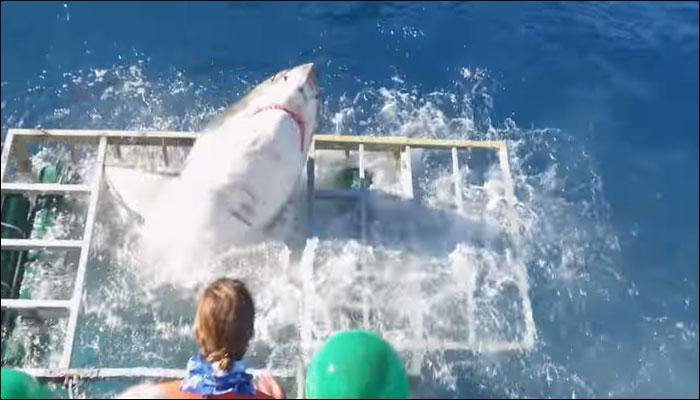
point(205, 379)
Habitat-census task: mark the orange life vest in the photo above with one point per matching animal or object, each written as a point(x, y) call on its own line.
point(171, 390)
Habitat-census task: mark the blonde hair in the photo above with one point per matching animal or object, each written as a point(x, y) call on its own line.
point(224, 322)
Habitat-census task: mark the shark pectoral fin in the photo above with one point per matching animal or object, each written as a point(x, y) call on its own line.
point(137, 189)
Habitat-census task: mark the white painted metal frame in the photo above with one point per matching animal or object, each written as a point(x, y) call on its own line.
point(59, 307)
point(30, 244)
point(16, 141)
point(72, 306)
point(44, 188)
point(403, 146)
point(78, 289)
point(127, 373)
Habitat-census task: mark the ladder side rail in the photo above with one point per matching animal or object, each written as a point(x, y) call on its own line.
point(84, 253)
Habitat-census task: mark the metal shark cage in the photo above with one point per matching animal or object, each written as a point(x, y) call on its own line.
point(15, 157)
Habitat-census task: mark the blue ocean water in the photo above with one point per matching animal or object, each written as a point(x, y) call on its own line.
point(615, 83)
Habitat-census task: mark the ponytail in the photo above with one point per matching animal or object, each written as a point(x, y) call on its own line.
point(222, 357)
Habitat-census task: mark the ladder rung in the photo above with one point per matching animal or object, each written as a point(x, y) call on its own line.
point(63, 306)
point(30, 244)
point(337, 194)
point(44, 188)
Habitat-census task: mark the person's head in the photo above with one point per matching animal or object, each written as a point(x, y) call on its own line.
point(357, 365)
point(224, 322)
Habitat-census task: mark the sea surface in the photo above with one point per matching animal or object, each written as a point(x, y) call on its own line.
point(599, 103)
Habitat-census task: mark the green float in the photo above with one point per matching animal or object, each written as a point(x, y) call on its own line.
point(357, 365)
point(20, 385)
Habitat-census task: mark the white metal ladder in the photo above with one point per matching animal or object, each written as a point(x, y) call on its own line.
point(56, 307)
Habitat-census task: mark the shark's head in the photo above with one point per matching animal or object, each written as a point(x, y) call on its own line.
point(299, 87)
point(294, 90)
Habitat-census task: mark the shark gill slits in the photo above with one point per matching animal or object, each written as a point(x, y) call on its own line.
point(248, 208)
point(239, 217)
point(246, 191)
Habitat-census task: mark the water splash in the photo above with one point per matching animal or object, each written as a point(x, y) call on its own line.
point(566, 243)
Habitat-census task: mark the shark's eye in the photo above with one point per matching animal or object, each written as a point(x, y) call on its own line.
point(285, 78)
point(301, 89)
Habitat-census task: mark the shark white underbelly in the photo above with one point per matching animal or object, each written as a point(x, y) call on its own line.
point(237, 176)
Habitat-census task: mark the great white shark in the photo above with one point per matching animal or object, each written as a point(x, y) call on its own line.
point(236, 178)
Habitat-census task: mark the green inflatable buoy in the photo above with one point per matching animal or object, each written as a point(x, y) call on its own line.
point(359, 365)
point(19, 385)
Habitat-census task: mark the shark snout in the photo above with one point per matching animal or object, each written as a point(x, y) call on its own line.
point(309, 93)
point(311, 78)
point(306, 75)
